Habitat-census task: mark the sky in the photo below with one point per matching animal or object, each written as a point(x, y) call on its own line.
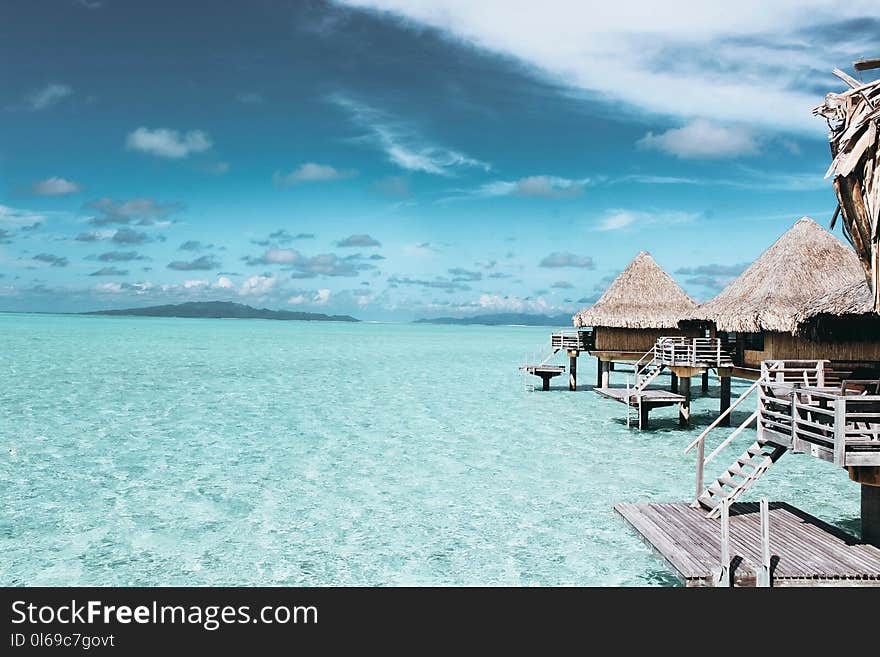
point(396, 159)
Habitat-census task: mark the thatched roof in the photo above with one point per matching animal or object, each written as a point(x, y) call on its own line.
point(643, 296)
point(846, 313)
point(807, 261)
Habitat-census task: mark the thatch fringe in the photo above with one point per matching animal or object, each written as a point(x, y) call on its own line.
point(643, 296)
point(807, 261)
point(846, 313)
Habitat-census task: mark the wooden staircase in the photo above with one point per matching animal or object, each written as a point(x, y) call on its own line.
point(646, 370)
point(647, 374)
point(739, 477)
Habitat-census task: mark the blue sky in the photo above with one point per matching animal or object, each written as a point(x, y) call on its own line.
point(395, 159)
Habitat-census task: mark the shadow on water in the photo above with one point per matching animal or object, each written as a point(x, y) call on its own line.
point(850, 526)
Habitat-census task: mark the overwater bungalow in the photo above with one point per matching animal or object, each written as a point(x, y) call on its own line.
point(844, 318)
point(640, 306)
point(805, 321)
point(758, 316)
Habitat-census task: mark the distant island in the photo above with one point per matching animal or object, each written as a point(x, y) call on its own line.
point(503, 319)
point(222, 310)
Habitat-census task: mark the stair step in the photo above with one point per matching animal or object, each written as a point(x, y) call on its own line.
point(707, 501)
point(729, 481)
point(716, 490)
point(736, 470)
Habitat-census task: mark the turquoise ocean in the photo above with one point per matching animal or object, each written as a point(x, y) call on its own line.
point(148, 451)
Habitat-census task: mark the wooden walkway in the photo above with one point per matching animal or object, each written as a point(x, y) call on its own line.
point(804, 550)
point(653, 396)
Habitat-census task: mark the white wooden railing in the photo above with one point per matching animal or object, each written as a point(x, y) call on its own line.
point(721, 576)
point(809, 407)
point(700, 441)
point(685, 351)
point(572, 339)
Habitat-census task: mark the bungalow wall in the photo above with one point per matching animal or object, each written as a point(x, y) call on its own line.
point(784, 346)
point(634, 340)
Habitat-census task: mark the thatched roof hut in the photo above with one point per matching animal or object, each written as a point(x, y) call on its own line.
point(846, 313)
point(807, 261)
point(643, 296)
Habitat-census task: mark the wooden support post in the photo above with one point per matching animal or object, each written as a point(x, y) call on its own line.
point(763, 575)
point(684, 407)
point(643, 415)
point(545, 378)
point(605, 377)
point(572, 370)
point(871, 514)
point(722, 575)
point(673, 382)
point(840, 431)
point(598, 372)
point(705, 382)
point(725, 400)
point(701, 464)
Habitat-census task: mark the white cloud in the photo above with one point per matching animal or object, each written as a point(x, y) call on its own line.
point(281, 256)
point(318, 298)
point(48, 96)
point(617, 219)
point(498, 303)
point(311, 172)
point(163, 142)
point(739, 62)
point(566, 259)
point(18, 217)
point(703, 140)
point(258, 286)
point(195, 284)
point(224, 283)
point(552, 187)
point(403, 145)
point(55, 186)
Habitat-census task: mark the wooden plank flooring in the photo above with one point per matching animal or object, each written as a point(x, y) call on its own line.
point(653, 396)
point(804, 550)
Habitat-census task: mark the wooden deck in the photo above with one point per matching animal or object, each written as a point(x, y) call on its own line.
point(653, 397)
point(804, 550)
point(538, 370)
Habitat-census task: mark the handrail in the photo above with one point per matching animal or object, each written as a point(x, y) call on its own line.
point(700, 441)
point(718, 420)
point(727, 441)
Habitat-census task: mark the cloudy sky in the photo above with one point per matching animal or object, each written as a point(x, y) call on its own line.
point(396, 159)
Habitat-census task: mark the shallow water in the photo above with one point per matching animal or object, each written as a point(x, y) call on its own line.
point(147, 451)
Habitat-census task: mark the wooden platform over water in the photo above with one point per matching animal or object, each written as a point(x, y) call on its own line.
point(651, 396)
point(804, 550)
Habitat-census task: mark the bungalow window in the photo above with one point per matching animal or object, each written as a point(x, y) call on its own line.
point(753, 341)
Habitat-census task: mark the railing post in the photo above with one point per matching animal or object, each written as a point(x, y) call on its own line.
point(722, 576)
point(627, 401)
point(718, 346)
point(820, 374)
point(701, 463)
point(795, 443)
point(763, 574)
point(840, 431)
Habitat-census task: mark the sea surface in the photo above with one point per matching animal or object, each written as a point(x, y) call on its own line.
point(153, 451)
